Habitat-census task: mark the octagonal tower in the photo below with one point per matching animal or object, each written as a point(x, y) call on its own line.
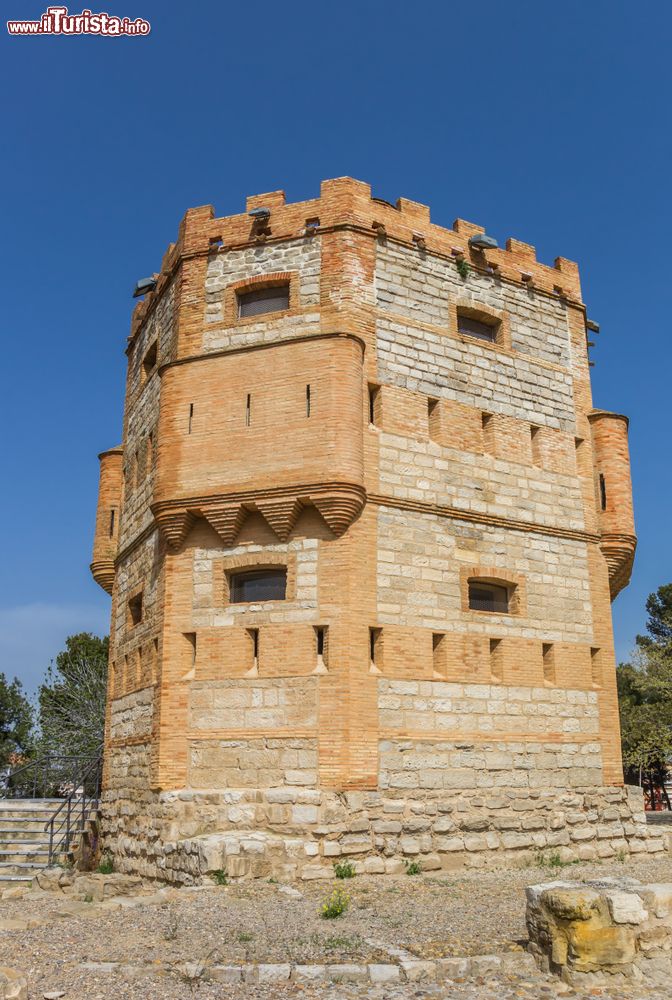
point(361, 537)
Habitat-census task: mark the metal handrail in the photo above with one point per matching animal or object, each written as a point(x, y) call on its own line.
point(67, 826)
point(55, 774)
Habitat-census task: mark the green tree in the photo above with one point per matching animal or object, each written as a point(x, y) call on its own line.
point(72, 699)
point(16, 721)
point(645, 698)
point(659, 622)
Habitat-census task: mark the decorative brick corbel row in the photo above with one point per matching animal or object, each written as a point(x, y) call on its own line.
point(338, 504)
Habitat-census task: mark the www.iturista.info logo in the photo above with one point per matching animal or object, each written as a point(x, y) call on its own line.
point(57, 21)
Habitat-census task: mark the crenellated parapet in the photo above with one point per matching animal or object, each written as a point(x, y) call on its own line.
point(347, 204)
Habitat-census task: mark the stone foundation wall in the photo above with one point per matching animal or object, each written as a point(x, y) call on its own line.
point(299, 832)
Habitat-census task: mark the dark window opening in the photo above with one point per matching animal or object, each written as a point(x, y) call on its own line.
point(488, 597)
point(603, 492)
point(258, 585)
point(321, 647)
point(135, 609)
point(433, 418)
point(596, 667)
point(307, 400)
point(374, 395)
point(191, 639)
point(438, 652)
point(248, 410)
point(496, 665)
point(471, 327)
point(191, 416)
point(488, 431)
point(548, 656)
point(149, 360)
point(112, 519)
point(535, 441)
point(254, 636)
point(374, 640)
point(263, 300)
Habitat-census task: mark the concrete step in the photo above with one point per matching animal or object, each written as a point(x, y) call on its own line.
point(11, 880)
point(9, 858)
point(22, 836)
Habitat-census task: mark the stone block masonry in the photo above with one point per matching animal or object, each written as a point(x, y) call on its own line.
point(361, 536)
point(613, 931)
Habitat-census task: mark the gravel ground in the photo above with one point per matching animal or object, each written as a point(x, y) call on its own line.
point(429, 916)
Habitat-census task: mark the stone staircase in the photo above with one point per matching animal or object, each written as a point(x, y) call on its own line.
point(24, 842)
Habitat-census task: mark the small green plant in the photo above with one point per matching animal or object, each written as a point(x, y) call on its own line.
point(336, 904)
point(106, 866)
point(552, 860)
point(245, 936)
point(413, 867)
point(344, 869)
point(88, 898)
point(273, 881)
point(192, 973)
point(220, 876)
point(463, 267)
point(621, 855)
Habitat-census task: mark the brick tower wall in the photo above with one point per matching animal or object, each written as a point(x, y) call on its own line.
point(359, 440)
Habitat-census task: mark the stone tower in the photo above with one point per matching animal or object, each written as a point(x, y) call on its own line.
point(361, 539)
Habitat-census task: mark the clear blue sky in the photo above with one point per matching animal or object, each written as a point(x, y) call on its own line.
point(545, 122)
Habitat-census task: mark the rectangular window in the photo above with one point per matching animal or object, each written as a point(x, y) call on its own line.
point(263, 300)
point(496, 660)
point(603, 492)
point(135, 610)
point(113, 514)
point(439, 653)
point(321, 647)
point(253, 633)
point(191, 648)
point(596, 667)
point(248, 410)
point(482, 330)
point(149, 361)
point(375, 639)
point(374, 404)
point(191, 417)
point(258, 585)
point(488, 597)
point(535, 441)
point(488, 431)
point(308, 400)
point(548, 657)
point(434, 419)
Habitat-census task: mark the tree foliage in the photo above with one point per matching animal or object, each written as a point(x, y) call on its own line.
point(645, 697)
point(72, 699)
point(16, 722)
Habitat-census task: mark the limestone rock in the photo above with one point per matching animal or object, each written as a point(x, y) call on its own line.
point(13, 984)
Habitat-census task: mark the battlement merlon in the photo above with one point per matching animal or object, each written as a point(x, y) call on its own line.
point(345, 202)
